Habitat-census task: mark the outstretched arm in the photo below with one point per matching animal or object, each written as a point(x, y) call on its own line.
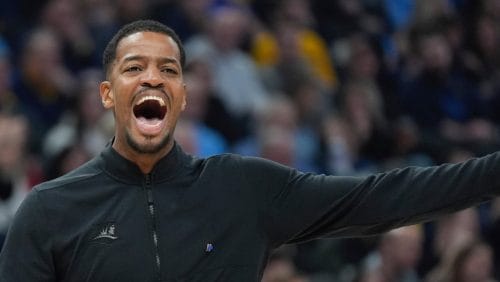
point(305, 206)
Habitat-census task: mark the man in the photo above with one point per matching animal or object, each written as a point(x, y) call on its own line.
point(396, 256)
point(143, 210)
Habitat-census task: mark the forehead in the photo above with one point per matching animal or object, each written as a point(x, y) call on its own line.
point(147, 44)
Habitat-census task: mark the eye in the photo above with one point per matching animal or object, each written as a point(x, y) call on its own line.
point(170, 70)
point(133, 69)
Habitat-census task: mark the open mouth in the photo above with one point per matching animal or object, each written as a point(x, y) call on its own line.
point(150, 107)
point(149, 113)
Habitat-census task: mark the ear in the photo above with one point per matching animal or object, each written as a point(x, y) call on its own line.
point(107, 98)
point(183, 106)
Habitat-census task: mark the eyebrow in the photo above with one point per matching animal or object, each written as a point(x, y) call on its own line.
point(141, 58)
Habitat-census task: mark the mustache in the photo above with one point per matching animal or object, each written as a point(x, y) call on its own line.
point(146, 88)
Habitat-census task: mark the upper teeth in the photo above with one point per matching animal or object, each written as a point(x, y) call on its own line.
point(145, 98)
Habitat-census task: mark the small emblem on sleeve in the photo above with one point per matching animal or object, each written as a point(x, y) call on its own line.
point(209, 248)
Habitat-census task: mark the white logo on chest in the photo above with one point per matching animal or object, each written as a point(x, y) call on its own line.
point(107, 232)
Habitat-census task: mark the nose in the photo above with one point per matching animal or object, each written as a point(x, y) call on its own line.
point(152, 78)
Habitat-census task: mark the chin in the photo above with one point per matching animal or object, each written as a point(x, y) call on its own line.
point(148, 144)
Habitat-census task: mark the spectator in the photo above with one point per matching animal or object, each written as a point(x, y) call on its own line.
point(451, 234)
point(341, 18)
point(64, 19)
point(214, 113)
point(428, 11)
point(396, 257)
point(277, 135)
point(292, 39)
point(482, 60)
point(282, 270)
point(281, 267)
point(130, 10)
point(441, 99)
point(182, 16)
point(85, 123)
point(191, 132)
point(101, 19)
point(361, 105)
point(357, 136)
point(16, 174)
point(8, 100)
point(66, 159)
point(472, 262)
point(236, 80)
point(364, 64)
point(43, 84)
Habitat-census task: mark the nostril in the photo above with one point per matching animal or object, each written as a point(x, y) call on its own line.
point(152, 84)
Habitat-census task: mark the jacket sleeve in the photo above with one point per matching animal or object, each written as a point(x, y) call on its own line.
point(26, 254)
point(302, 206)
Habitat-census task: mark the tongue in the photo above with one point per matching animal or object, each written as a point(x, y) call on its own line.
point(149, 126)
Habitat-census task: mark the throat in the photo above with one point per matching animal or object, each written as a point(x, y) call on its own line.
point(144, 156)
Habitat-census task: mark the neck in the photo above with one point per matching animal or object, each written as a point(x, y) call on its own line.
point(144, 161)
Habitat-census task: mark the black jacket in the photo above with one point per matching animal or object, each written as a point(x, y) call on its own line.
point(214, 219)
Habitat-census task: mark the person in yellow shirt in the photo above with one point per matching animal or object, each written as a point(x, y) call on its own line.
point(291, 37)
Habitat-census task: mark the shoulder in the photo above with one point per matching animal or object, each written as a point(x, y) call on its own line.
point(249, 166)
point(232, 159)
point(224, 160)
point(87, 171)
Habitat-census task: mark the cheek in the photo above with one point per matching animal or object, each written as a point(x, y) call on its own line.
point(122, 111)
point(121, 98)
point(180, 99)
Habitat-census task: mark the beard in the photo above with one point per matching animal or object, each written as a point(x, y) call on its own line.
point(148, 147)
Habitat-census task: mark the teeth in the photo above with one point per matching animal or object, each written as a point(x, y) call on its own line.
point(145, 98)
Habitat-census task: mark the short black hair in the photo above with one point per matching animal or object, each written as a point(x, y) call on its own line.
point(109, 54)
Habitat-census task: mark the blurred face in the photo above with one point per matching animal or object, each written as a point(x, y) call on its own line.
point(487, 35)
point(13, 137)
point(146, 92)
point(436, 53)
point(42, 56)
point(404, 246)
point(364, 62)
point(228, 27)
point(478, 266)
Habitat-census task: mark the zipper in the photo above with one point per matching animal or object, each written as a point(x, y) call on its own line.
point(151, 209)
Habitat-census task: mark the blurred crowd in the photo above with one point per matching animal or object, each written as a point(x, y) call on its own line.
point(343, 87)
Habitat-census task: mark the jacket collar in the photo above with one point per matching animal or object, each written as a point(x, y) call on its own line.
point(125, 170)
